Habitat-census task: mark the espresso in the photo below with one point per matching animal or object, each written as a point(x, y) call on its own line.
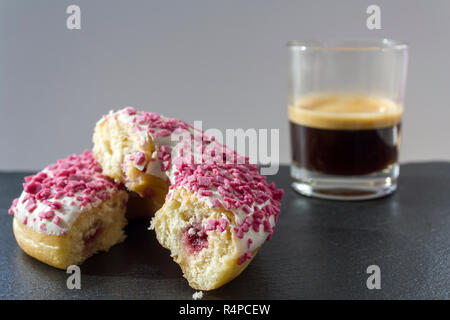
point(347, 135)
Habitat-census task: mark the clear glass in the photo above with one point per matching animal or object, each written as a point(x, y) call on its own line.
point(345, 107)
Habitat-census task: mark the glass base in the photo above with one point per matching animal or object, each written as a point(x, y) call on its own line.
point(364, 187)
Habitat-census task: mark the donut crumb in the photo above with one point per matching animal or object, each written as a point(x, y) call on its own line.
point(197, 295)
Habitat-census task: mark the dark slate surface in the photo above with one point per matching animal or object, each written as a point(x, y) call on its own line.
point(321, 249)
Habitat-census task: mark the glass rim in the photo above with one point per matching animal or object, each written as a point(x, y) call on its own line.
point(348, 45)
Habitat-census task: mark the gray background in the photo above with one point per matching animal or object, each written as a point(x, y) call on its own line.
point(223, 62)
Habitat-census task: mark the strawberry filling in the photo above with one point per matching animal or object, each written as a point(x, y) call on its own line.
point(92, 234)
point(195, 238)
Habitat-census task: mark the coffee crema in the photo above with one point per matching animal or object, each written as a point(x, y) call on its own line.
point(345, 134)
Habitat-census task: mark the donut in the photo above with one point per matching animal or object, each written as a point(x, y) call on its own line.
point(215, 210)
point(69, 211)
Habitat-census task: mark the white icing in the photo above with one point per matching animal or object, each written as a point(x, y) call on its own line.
point(68, 213)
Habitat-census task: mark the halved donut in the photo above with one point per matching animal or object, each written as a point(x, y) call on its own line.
point(218, 210)
point(68, 212)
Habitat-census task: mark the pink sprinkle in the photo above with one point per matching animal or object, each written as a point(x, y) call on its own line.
point(59, 194)
point(43, 194)
point(131, 111)
point(223, 224)
point(13, 205)
point(227, 205)
point(215, 203)
point(32, 187)
point(267, 227)
point(43, 227)
point(31, 205)
point(47, 214)
point(165, 165)
point(278, 195)
point(164, 133)
point(25, 220)
point(139, 158)
point(211, 225)
point(57, 220)
point(62, 173)
point(244, 257)
point(164, 149)
point(55, 205)
point(204, 181)
point(249, 243)
point(205, 193)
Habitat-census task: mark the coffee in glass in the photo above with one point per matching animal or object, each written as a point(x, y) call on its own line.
point(344, 134)
point(345, 122)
